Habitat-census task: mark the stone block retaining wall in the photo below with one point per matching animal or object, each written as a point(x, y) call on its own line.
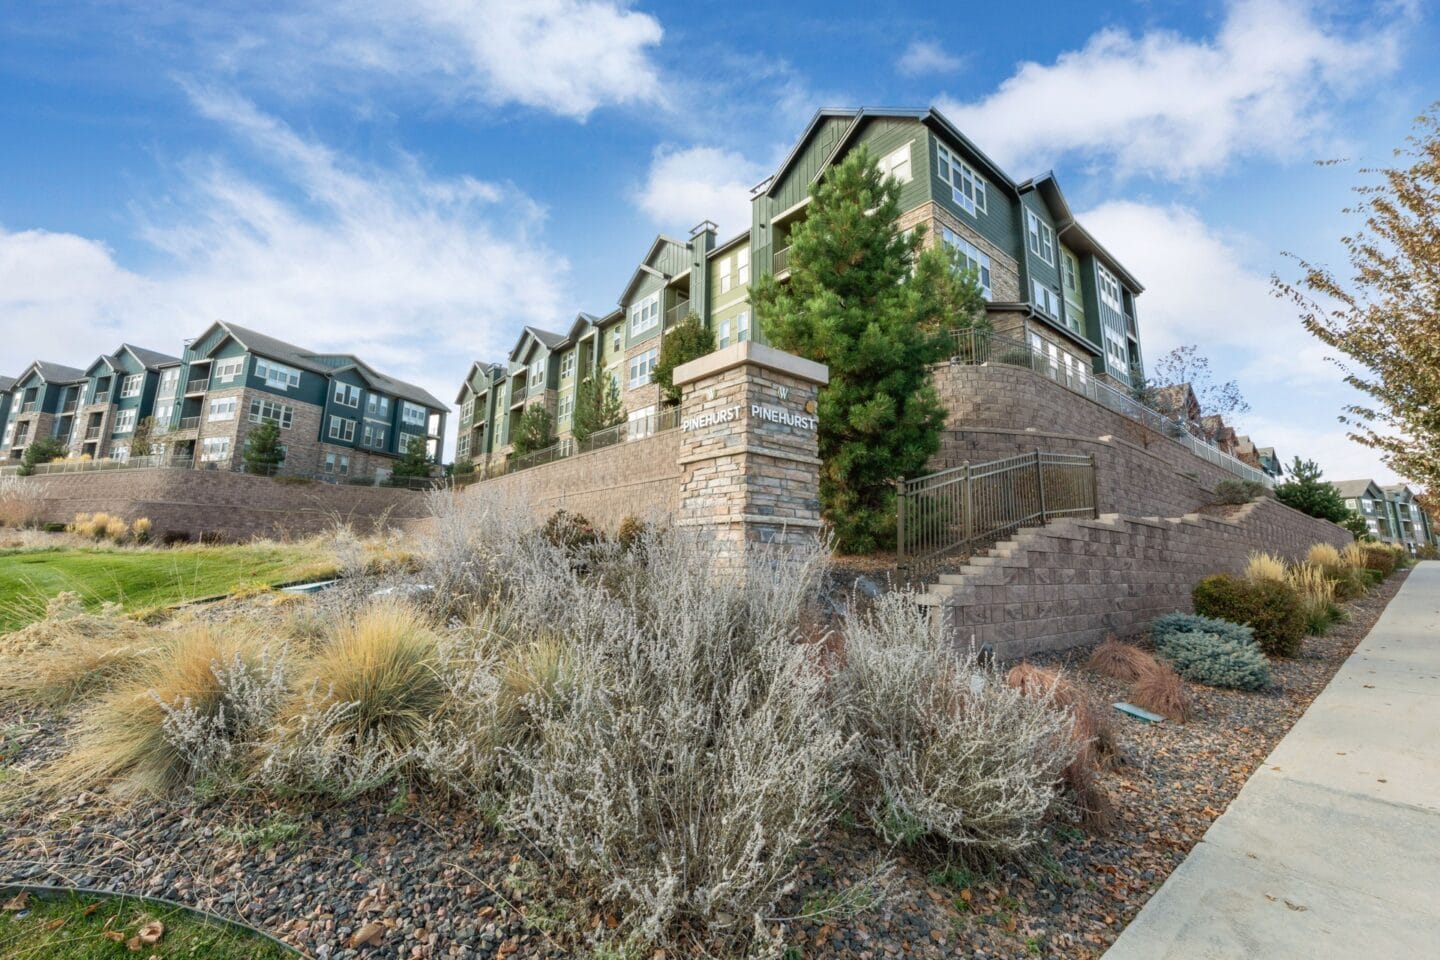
point(1074, 581)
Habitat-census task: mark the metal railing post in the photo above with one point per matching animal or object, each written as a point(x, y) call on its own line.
point(969, 503)
point(1040, 485)
point(900, 521)
point(1094, 488)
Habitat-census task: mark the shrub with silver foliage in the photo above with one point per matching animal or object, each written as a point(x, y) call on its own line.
point(250, 696)
point(948, 755)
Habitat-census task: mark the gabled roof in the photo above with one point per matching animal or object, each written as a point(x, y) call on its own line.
point(1067, 227)
point(647, 268)
point(1353, 489)
point(545, 338)
point(382, 383)
point(492, 372)
point(6, 384)
point(584, 323)
point(150, 359)
point(1398, 489)
point(52, 372)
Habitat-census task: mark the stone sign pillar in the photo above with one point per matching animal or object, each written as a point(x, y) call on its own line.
point(749, 470)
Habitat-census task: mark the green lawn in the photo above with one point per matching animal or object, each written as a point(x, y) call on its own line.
point(74, 928)
point(144, 579)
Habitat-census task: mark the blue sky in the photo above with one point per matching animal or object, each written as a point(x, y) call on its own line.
point(417, 181)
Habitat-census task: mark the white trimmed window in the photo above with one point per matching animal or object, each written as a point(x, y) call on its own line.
point(405, 440)
point(535, 374)
point(214, 448)
point(1109, 289)
point(567, 366)
point(724, 274)
point(566, 407)
point(1041, 237)
point(131, 385)
point(615, 338)
point(229, 368)
point(277, 374)
point(337, 463)
point(121, 452)
point(1047, 301)
point(281, 413)
point(124, 422)
point(377, 406)
point(972, 256)
point(641, 366)
point(896, 164)
point(374, 436)
point(1070, 274)
point(342, 429)
point(412, 414)
point(645, 315)
point(641, 423)
point(742, 266)
point(1115, 349)
point(223, 409)
point(347, 395)
point(966, 186)
point(169, 382)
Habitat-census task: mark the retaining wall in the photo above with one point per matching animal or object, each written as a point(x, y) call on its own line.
point(1074, 581)
point(223, 505)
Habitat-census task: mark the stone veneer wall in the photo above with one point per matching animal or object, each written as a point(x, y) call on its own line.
point(229, 506)
point(1074, 581)
point(1001, 410)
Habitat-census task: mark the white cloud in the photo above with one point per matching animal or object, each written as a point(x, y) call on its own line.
point(1339, 457)
point(569, 57)
point(686, 186)
point(1171, 106)
point(417, 274)
point(926, 57)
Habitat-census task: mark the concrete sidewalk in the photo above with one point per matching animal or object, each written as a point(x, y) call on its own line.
point(1332, 849)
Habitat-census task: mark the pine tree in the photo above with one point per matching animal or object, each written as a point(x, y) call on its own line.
point(689, 340)
point(263, 453)
point(140, 442)
point(877, 308)
point(597, 407)
point(40, 450)
point(1306, 492)
point(533, 431)
point(414, 462)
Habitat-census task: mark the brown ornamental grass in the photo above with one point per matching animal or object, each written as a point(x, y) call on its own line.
point(1119, 661)
point(1159, 689)
point(1093, 735)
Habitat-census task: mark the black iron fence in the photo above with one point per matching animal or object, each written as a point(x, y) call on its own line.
point(953, 513)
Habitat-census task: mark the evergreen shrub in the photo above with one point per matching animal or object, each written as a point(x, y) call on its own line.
point(1214, 660)
point(1271, 608)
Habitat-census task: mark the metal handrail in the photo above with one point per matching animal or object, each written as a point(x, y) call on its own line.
point(960, 510)
point(667, 419)
point(677, 313)
point(101, 396)
point(188, 423)
point(980, 348)
point(198, 386)
point(780, 260)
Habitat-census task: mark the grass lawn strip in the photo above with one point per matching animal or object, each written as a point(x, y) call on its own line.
point(77, 927)
point(141, 580)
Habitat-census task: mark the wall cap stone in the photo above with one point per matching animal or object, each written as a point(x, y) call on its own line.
point(755, 354)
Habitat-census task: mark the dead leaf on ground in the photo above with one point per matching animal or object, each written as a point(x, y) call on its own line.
point(18, 901)
point(151, 933)
point(115, 935)
point(57, 923)
point(369, 935)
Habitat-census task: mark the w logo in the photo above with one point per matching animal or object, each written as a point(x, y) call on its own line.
point(784, 392)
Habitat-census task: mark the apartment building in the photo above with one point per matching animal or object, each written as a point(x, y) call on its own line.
point(7, 387)
point(1391, 512)
point(338, 417)
point(1047, 281)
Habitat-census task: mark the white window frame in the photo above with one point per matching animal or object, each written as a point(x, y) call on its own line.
point(403, 442)
point(724, 274)
point(1047, 301)
point(228, 369)
point(641, 367)
point(132, 385)
point(645, 417)
point(342, 428)
point(169, 383)
point(567, 365)
point(262, 409)
point(565, 407)
point(377, 406)
point(967, 188)
point(214, 448)
point(1109, 289)
point(1040, 237)
point(973, 256)
point(896, 164)
point(411, 413)
point(345, 395)
point(120, 452)
point(723, 340)
point(1070, 273)
point(222, 409)
point(742, 326)
point(276, 374)
point(535, 373)
point(374, 436)
point(645, 315)
point(742, 267)
point(124, 421)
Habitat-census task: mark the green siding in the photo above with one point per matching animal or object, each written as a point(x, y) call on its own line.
point(643, 289)
point(998, 223)
point(1038, 269)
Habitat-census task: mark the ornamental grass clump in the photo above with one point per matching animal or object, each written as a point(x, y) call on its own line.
point(1324, 555)
point(1271, 608)
point(1091, 732)
point(71, 653)
point(1118, 661)
point(1159, 689)
point(1265, 566)
point(1316, 591)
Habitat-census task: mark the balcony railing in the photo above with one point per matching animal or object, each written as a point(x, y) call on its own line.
point(30, 407)
point(197, 386)
point(677, 313)
point(92, 433)
point(667, 419)
point(188, 423)
point(69, 406)
point(101, 396)
point(980, 347)
point(782, 260)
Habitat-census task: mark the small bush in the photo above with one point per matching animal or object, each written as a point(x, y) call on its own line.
point(1214, 660)
point(1091, 732)
point(1323, 555)
point(1265, 566)
point(1270, 608)
point(141, 529)
point(1316, 591)
point(1353, 555)
point(1235, 491)
point(1159, 689)
point(569, 531)
point(1119, 661)
point(117, 530)
point(70, 654)
point(632, 533)
point(1379, 559)
point(1195, 623)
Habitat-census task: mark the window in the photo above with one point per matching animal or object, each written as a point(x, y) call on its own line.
point(1070, 275)
point(567, 366)
point(405, 440)
point(374, 436)
point(966, 187)
point(342, 429)
point(724, 339)
point(615, 343)
point(130, 386)
point(229, 369)
point(971, 256)
point(1109, 289)
point(338, 463)
point(896, 164)
point(1042, 238)
point(347, 395)
point(742, 267)
point(277, 374)
point(377, 406)
point(645, 315)
point(169, 381)
point(223, 409)
point(280, 413)
point(121, 452)
point(125, 421)
point(1115, 350)
point(742, 326)
point(412, 414)
point(1047, 301)
point(640, 423)
point(214, 448)
point(724, 274)
point(566, 407)
point(640, 367)
point(535, 374)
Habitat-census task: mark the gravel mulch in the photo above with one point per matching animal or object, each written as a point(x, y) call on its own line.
point(416, 877)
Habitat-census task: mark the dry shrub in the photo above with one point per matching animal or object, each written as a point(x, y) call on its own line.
point(1159, 689)
point(19, 502)
point(1324, 555)
point(141, 529)
point(1119, 661)
point(116, 529)
point(1265, 566)
point(1091, 732)
point(1317, 592)
point(70, 654)
point(1353, 555)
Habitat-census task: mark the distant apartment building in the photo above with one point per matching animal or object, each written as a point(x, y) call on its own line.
point(338, 417)
point(1047, 281)
point(1391, 512)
